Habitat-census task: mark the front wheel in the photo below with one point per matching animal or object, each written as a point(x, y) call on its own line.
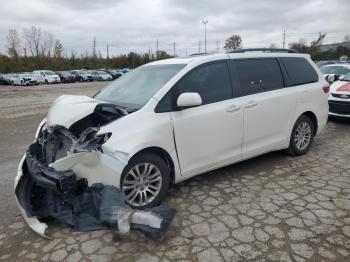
point(145, 181)
point(302, 136)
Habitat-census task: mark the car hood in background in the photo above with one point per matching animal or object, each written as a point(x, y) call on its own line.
point(340, 87)
point(68, 109)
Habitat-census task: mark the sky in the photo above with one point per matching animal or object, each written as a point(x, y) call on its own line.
point(136, 25)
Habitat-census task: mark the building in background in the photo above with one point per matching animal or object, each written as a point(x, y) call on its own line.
point(334, 47)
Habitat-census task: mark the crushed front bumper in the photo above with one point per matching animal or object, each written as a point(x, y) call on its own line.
point(40, 190)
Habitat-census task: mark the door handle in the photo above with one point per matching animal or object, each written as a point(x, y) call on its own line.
point(251, 104)
point(233, 108)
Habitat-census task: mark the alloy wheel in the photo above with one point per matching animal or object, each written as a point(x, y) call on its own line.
point(302, 136)
point(142, 184)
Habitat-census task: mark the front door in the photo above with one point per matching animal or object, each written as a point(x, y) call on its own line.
point(210, 135)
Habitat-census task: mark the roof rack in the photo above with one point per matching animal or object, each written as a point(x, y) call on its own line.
point(200, 54)
point(269, 50)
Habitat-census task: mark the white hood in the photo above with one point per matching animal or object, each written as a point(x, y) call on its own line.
point(68, 109)
point(340, 87)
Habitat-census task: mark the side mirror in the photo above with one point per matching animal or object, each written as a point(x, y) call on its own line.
point(186, 100)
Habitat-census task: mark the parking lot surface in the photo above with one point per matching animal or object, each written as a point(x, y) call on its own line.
point(270, 208)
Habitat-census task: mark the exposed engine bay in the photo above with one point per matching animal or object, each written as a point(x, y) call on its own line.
point(52, 184)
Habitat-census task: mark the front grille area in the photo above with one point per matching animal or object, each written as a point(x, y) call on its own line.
point(339, 107)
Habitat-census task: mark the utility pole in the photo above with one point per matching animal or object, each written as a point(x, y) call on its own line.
point(107, 52)
point(174, 49)
point(94, 44)
point(199, 46)
point(157, 52)
point(217, 46)
point(205, 22)
point(284, 38)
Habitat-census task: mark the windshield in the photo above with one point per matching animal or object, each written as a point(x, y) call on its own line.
point(338, 70)
point(135, 88)
point(49, 73)
point(346, 78)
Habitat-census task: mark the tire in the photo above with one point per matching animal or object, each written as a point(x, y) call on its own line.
point(303, 128)
point(46, 82)
point(136, 190)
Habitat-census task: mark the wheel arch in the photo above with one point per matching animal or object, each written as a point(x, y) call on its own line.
point(161, 153)
point(313, 118)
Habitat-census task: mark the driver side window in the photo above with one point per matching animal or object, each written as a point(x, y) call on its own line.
point(210, 81)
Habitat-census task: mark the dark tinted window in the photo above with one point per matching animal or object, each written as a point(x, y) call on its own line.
point(299, 71)
point(258, 75)
point(211, 81)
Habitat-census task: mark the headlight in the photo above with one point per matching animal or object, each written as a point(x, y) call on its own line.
point(41, 126)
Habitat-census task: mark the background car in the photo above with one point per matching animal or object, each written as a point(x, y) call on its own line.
point(334, 72)
point(323, 63)
point(2, 80)
point(343, 59)
point(82, 75)
point(101, 76)
point(6, 79)
point(339, 98)
point(23, 79)
point(66, 77)
point(112, 72)
point(50, 76)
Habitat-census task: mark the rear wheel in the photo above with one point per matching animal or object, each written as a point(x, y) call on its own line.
point(145, 181)
point(46, 82)
point(302, 136)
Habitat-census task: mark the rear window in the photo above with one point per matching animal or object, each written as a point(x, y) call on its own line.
point(258, 75)
point(299, 71)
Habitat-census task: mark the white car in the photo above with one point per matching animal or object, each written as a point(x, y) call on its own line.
point(170, 120)
point(334, 72)
point(339, 98)
point(49, 76)
point(101, 76)
point(23, 79)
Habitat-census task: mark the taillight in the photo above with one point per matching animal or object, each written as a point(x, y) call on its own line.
point(326, 89)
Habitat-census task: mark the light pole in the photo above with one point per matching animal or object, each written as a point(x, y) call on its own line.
point(205, 22)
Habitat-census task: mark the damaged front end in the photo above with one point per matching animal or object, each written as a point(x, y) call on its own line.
point(64, 160)
point(66, 176)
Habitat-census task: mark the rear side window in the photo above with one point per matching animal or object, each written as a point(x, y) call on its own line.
point(299, 71)
point(211, 81)
point(258, 75)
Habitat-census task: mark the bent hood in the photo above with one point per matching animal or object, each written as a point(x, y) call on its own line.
point(340, 87)
point(68, 109)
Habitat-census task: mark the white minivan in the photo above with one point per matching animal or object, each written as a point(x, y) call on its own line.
point(170, 120)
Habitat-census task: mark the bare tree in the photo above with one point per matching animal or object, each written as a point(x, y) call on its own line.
point(58, 49)
point(13, 43)
point(233, 42)
point(346, 38)
point(273, 45)
point(46, 44)
point(319, 40)
point(33, 38)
